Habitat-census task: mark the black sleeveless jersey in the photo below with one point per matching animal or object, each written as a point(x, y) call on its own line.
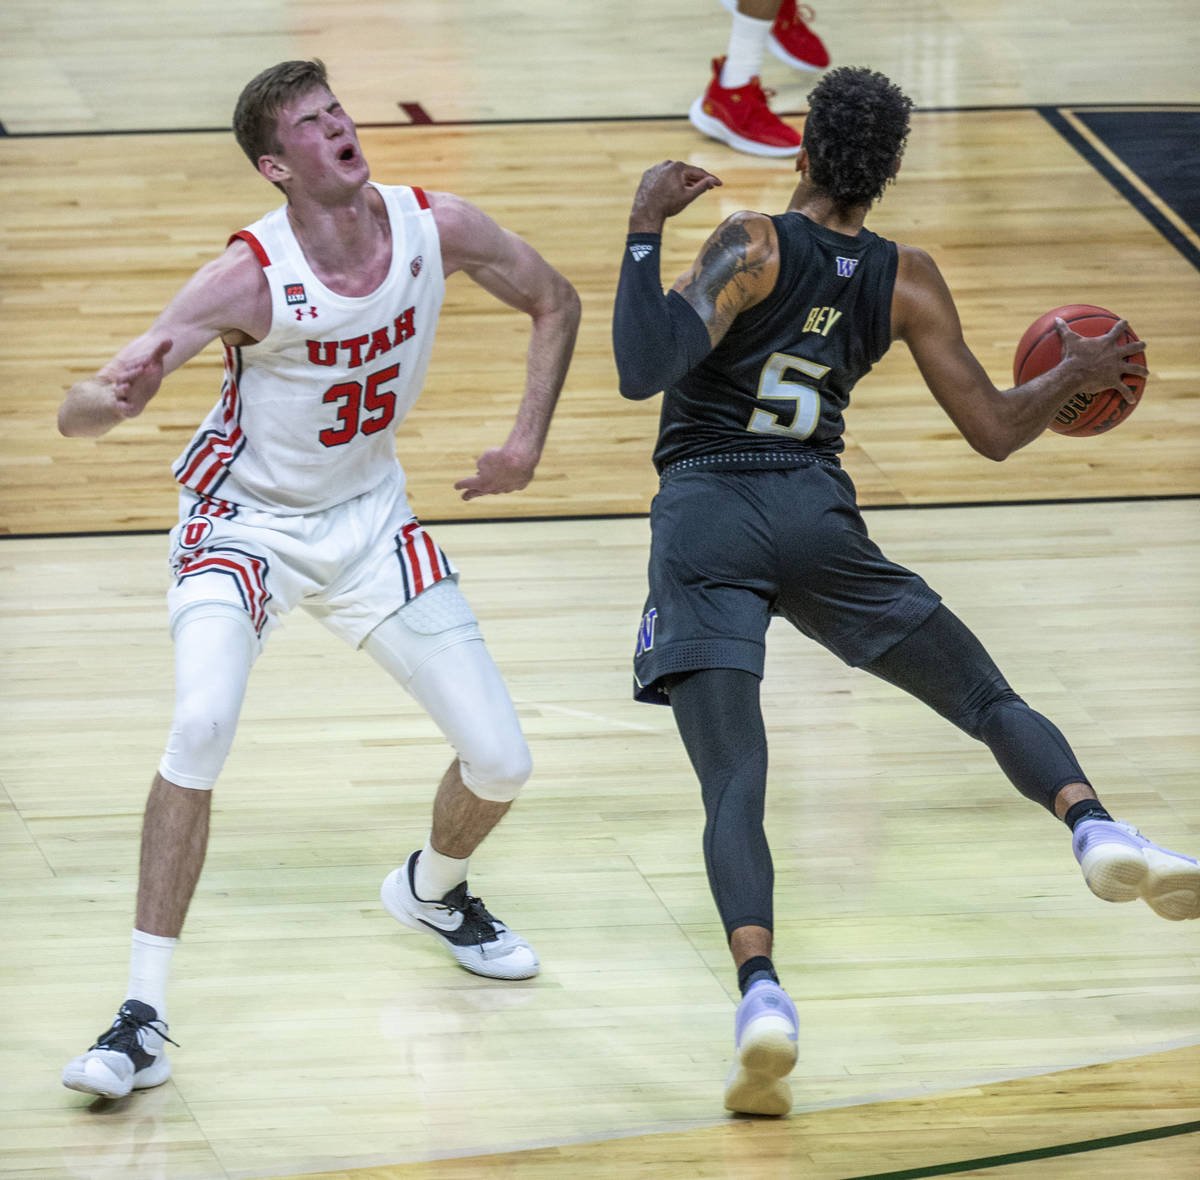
point(771, 394)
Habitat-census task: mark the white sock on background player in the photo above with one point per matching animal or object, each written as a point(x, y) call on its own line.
point(747, 45)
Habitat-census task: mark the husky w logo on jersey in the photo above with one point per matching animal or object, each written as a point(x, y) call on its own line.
point(845, 266)
point(294, 293)
point(639, 250)
point(645, 639)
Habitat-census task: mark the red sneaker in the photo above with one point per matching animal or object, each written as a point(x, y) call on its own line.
point(741, 118)
point(792, 41)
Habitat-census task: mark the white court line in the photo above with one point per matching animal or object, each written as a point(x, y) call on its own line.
point(597, 717)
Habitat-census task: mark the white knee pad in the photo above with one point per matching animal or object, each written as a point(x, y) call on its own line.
point(439, 656)
point(497, 771)
point(215, 647)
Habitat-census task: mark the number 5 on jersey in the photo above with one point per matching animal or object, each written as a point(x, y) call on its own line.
point(806, 401)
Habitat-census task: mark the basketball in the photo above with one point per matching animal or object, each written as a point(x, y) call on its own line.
point(1040, 349)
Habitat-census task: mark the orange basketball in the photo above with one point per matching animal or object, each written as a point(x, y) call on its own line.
point(1040, 349)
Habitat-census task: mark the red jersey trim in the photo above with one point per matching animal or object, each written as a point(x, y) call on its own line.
point(254, 245)
point(422, 199)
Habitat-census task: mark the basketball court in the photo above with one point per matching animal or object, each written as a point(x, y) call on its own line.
point(967, 1007)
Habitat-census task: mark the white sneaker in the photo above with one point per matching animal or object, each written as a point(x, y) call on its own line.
point(1120, 864)
point(130, 1055)
point(478, 941)
point(765, 1031)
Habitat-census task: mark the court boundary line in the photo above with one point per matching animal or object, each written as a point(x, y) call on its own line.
point(1079, 1147)
point(568, 120)
point(583, 517)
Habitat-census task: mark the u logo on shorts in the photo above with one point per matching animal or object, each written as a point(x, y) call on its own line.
point(195, 531)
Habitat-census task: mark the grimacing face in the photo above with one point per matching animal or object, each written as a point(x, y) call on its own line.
point(318, 146)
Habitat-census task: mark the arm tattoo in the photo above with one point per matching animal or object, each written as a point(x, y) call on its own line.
point(723, 276)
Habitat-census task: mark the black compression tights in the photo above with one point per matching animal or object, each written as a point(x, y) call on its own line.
point(941, 663)
point(944, 665)
point(718, 715)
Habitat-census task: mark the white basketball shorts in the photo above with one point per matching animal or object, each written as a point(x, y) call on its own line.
point(349, 566)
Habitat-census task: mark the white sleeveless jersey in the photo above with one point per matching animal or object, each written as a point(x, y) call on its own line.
point(308, 415)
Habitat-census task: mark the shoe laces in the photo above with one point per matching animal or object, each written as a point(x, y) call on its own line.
point(804, 14)
point(123, 1035)
point(480, 925)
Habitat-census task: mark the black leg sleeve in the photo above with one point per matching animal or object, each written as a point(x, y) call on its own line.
point(718, 715)
point(944, 665)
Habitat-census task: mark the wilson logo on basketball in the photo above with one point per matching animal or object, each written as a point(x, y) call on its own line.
point(1071, 411)
point(195, 531)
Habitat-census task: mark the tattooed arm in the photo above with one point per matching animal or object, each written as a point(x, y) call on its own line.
point(658, 338)
point(737, 268)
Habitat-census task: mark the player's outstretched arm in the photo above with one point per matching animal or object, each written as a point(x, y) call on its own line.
point(513, 271)
point(228, 296)
point(995, 422)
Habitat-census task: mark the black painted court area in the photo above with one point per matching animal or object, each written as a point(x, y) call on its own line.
point(1161, 147)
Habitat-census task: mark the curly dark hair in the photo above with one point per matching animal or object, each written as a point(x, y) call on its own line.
point(264, 96)
point(855, 133)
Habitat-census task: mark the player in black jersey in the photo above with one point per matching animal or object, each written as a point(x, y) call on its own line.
point(757, 347)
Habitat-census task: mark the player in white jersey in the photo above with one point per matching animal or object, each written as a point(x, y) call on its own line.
point(327, 309)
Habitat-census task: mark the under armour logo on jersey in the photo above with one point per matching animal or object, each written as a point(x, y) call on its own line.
point(639, 250)
point(845, 267)
point(302, 311)
point(645, 640)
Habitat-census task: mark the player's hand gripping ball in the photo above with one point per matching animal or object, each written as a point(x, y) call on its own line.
point(1040, 349)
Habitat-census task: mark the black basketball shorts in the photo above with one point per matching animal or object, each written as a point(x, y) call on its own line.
point(730, 549)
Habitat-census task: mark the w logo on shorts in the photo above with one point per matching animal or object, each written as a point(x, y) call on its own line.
point(421, 562)
point(645, 640)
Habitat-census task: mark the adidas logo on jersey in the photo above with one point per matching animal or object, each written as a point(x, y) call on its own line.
point(639, 250)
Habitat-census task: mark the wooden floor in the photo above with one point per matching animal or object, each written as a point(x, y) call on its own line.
point(967, 1007)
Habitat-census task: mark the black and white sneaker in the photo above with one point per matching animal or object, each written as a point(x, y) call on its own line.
point(131, 1055)
point(478, 941)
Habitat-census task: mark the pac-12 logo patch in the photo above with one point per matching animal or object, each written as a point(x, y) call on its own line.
point(845, 266)
point(415, 265)
point(294, 293)
point(645, 640)
point(195, 531)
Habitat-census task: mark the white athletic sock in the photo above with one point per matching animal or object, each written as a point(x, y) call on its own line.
point(149, 965)
point(747, 45)
point(435, 874)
